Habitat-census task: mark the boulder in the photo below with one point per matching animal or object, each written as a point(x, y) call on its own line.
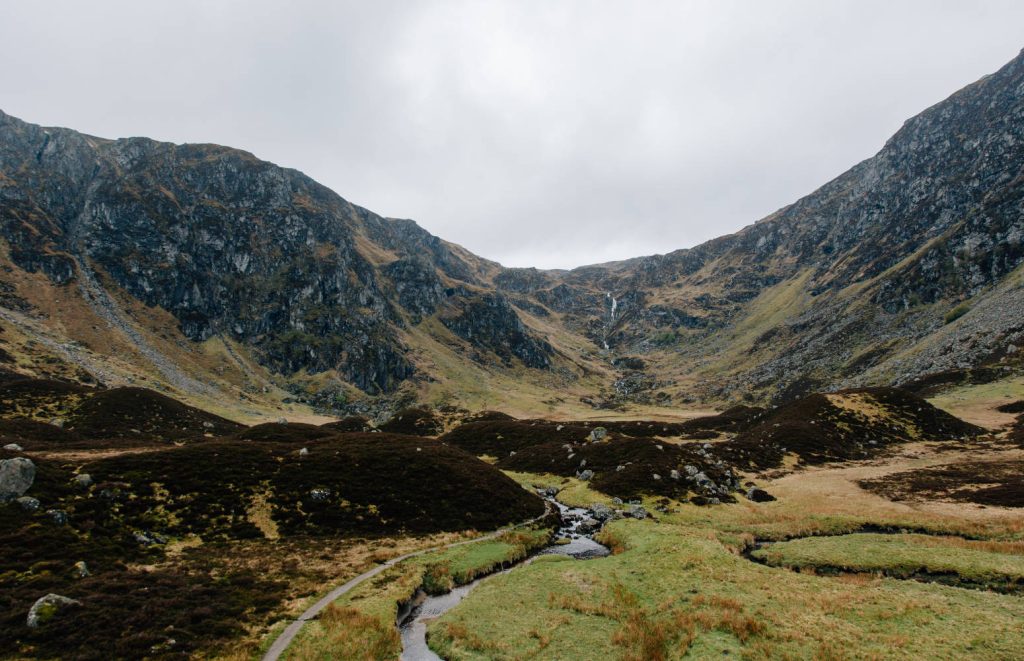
point(13, 447)
point(319, 495)
point(16, 477)
point(759, 495)
point(59, 517)
point(48, 607)
point(601, 512)
point(637, 512)
point(28, 504)
point(586, 475)
point(598, 434)
point(84, 480)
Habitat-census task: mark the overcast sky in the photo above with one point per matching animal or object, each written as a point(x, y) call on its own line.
point(550, 134)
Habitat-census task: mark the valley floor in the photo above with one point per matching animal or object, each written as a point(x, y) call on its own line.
point(863, 577)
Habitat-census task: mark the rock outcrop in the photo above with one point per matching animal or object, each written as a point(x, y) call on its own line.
point(900, 267)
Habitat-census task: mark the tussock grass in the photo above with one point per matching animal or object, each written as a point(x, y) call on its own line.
point(957, 561)
point(346, 633)
point(678, 586)
point(362, 615)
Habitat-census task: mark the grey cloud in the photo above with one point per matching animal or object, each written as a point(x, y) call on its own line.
point(533, 133)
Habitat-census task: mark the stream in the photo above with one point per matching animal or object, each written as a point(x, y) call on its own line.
point(578, 527)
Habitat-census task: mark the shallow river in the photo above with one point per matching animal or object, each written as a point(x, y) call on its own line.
point(577, 527)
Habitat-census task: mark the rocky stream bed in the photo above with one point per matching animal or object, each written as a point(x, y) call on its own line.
point(574, 538)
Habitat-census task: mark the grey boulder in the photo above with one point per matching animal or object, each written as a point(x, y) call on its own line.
point(16, 477)
point(28, 504)
point(48, 607)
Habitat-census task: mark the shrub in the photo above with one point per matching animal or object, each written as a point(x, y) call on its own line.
point(956, 313)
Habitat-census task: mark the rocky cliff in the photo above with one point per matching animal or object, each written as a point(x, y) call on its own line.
point(907, 264)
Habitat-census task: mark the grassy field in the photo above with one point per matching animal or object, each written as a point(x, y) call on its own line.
point(976, 562)
point(361, 625)
point(679, 585)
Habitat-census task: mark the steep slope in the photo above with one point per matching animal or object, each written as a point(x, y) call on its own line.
point(907, 264)
point(854, 283)
point(237, 250)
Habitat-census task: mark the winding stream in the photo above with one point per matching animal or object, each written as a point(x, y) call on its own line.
point(577, 527)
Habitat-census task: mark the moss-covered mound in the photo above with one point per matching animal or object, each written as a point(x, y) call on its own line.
point(414, 422)
point(285, 432)
point(850, 424)
point(362, 484)
point(138, 413)
point(355, 423)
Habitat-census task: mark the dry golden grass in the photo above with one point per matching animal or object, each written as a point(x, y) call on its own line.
point(831, 491)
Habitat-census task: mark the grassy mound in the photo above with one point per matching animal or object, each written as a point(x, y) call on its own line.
point(949, 560)
point(414, 422)
point(488, 416)
point(497, 434)
point(355, 423)
point(366, 484)
point(138, 413)
point(285, 432)
point(850, 424)
point(736, 419)
point(624, 467)
point(932, 384)
point(499, 437)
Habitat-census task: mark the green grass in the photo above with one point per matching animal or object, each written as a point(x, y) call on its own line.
point(572, 492)
point(903, 556)
point(361, 624)
point(675, 588)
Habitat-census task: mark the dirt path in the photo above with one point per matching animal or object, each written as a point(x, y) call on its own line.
point(288, 635)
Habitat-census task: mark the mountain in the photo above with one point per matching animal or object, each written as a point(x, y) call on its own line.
point(204, 271)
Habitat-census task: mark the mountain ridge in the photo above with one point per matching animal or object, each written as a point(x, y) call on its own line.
point(849, 285)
